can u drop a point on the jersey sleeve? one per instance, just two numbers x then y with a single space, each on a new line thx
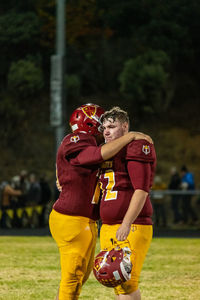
81 149
141 150
91 155
140 175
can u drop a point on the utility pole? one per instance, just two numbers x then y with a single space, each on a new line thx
57 84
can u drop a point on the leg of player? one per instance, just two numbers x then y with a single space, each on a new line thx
76 238
139 240
133 296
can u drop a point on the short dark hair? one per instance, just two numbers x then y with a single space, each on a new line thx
116 113
184 168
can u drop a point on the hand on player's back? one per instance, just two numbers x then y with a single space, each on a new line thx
140 136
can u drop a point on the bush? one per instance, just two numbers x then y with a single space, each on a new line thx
145 81
25 78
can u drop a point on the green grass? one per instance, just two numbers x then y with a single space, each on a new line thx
29 269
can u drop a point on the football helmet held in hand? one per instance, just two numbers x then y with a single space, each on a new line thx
86 118
113 267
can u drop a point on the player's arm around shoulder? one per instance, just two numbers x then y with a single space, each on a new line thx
112 148
81 149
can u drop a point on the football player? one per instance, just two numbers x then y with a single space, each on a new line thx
125 207
72 219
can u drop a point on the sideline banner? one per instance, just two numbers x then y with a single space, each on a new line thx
19 212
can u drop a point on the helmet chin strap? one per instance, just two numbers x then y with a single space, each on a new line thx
117 244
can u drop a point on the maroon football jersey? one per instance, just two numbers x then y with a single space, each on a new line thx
77 162
132 168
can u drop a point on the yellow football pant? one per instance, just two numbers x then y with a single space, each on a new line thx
76 239
138 241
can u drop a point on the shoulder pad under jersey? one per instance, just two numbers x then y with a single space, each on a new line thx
141 150
76 142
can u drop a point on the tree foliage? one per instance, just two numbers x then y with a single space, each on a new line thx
144 81
84 23
105 41
25 79
19 36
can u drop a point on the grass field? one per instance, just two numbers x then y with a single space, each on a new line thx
29 269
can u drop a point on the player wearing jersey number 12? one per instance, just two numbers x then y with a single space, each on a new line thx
125 207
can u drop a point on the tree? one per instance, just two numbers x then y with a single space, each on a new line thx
84 23
19 36
25 79
145 81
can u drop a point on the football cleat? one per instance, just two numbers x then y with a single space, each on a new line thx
113 267
86 118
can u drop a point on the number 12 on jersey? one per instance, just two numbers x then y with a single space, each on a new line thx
110 194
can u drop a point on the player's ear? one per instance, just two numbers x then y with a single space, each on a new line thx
125 127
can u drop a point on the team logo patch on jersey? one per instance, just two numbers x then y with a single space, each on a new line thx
89 111
74 139
146 149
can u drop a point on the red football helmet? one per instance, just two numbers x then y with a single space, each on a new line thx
86 118
113 267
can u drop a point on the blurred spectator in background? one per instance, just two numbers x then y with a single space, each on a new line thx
45 200
7 195
175 184
33 200
187 184
34 192
24 186
15 184
45 190
16 200
24 181
158 200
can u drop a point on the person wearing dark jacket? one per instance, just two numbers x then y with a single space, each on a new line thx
175 184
